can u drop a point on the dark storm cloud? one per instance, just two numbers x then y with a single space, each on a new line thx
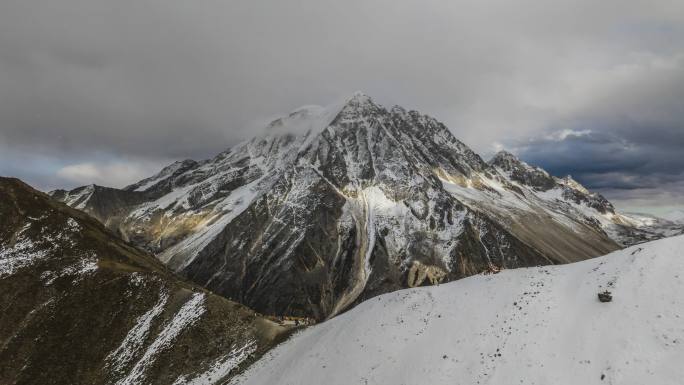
623 164
604 161
110 90
629 141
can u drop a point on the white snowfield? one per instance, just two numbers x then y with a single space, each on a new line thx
527 326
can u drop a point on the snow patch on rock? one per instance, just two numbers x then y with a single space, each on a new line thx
84 266
221 368
118 359
190 312
21 254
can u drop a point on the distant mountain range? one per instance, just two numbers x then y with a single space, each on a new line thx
338 204
676 216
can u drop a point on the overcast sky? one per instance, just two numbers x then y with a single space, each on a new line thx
107 92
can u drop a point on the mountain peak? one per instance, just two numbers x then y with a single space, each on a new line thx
362 174
506 160
359 95
522 172
570 182
358 100
503 154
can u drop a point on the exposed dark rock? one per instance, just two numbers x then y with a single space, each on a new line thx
605 296
522 172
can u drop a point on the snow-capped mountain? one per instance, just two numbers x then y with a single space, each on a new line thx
676 216
637 228
541 325
363 200
79 306
569 196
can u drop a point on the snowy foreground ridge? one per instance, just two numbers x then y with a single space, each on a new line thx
526 326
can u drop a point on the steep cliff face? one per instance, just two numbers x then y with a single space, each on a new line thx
79 306
361 201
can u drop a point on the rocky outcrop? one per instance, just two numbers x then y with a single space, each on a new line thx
419 274
522 172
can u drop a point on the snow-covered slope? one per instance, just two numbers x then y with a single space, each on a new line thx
541 325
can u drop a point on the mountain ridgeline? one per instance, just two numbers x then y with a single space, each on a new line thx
364 200
80 306
539 325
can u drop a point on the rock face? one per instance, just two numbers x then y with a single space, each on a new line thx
79 306
341 203
522 173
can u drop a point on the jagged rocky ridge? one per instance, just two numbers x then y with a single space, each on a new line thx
570 196
361 201
79 306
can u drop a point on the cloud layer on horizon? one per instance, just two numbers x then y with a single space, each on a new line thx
97 91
